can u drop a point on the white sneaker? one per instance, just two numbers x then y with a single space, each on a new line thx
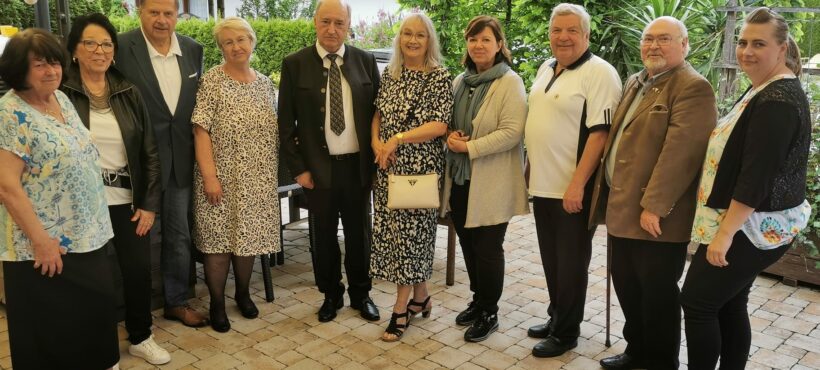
150 351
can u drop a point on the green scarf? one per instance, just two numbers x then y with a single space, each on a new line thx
467 100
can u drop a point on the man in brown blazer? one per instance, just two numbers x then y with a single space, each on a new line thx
645 191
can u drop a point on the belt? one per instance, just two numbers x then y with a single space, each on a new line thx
344 157
116 178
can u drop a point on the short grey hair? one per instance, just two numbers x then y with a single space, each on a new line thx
432 57
235 24
344 4
572 9
684 33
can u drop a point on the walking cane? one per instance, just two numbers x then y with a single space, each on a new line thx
608 286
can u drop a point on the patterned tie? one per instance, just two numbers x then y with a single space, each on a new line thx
337 112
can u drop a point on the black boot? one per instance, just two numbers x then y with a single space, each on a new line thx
468 316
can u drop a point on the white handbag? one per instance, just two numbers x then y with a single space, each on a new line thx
412 191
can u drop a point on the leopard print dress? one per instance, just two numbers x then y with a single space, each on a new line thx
404 240
241 120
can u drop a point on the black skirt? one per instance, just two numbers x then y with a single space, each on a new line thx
64 322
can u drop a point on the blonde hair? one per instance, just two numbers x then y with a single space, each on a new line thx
235 24
432 56
765 15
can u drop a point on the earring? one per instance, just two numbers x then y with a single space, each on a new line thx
74 60
113 62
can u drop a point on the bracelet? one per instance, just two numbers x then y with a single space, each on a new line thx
400 137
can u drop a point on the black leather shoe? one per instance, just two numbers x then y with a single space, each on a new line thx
468 316
540 330
621 362
367 309
328 310
247 307
483 326
552 347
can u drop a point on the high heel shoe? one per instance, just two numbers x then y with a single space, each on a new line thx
219 319
425 311
396 329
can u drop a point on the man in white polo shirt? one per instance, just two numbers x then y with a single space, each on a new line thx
570 108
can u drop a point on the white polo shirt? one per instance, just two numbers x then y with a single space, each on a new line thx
563 110
167 71
347 141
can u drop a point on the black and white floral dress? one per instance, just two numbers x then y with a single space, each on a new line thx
404 239
242 123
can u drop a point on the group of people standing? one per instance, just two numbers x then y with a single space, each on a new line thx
649 160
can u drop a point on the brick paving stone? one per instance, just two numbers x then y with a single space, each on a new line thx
404 354
531 362
813 319
795 325
781 309
361 352
217 362
773 359
766 341
811 359
449 357
792 351
275 346
810 344
493 360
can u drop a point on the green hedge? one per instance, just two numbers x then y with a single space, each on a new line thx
275 39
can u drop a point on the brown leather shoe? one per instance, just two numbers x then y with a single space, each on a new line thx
187 315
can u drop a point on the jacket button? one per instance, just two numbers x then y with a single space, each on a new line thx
322 109
324 146
324 73
323 90
321 128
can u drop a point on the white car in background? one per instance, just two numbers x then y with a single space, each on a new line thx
382 57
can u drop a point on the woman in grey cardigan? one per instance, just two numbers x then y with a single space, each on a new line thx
484 178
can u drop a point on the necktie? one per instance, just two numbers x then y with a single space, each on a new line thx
337 112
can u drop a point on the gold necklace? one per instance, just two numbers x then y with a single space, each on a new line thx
98 101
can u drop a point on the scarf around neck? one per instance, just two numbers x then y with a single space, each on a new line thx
467 100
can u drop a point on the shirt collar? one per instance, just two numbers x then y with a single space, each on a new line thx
583 59
323 53
174 50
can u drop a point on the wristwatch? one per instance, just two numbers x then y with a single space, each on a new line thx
400 136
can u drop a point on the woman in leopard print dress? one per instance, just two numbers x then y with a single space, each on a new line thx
413 103
236 206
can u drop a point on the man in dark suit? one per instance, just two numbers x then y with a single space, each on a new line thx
325 111
646 188
166 68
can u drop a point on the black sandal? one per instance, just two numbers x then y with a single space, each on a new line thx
396 329
424 311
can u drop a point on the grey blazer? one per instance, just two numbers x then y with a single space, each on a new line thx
173 130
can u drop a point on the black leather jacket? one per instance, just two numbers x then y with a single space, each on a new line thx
137 133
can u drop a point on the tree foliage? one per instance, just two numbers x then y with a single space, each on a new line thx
376 35
276 9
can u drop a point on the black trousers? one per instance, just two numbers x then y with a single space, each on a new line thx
349 200
714 304
134 257
483 251
63 322
565 242
645 275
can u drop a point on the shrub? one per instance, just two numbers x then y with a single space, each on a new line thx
275 39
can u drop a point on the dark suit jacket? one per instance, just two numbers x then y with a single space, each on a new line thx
302 116
173 130
659 156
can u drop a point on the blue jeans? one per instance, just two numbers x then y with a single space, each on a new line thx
175 258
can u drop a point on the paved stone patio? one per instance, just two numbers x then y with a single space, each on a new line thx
287 334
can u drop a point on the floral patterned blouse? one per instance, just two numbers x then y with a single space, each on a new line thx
766 230
61 178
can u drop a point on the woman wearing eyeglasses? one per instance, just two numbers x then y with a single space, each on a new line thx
236 138
113 110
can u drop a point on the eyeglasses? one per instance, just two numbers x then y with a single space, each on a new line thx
91 45
661 40
241 40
